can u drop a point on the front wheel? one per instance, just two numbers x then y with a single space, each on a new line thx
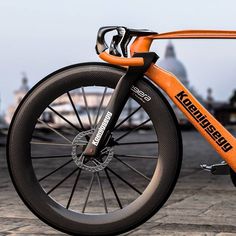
130 179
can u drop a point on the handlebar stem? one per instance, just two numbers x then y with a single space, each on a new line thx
141 44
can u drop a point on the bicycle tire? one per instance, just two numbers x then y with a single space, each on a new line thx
24 175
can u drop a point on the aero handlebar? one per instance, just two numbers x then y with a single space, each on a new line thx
119 45
143 42
122 61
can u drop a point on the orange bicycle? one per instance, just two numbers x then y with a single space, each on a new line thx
95 148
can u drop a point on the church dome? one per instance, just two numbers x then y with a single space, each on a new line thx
172 64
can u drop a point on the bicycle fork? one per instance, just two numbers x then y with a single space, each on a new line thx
102 132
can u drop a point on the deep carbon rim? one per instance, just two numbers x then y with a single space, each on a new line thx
15 164
100 169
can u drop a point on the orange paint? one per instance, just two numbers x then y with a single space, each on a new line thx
172 86
196 34
122 61
221 140
141 44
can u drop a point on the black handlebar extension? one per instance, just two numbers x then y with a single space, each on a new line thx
101 45
123 37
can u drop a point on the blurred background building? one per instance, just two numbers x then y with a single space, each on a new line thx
3 123
18 96
176 67
225 112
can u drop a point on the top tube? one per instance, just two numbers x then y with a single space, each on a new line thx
143 44
197 34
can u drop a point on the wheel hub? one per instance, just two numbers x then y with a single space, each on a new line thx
92 164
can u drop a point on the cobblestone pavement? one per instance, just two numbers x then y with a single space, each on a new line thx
201 204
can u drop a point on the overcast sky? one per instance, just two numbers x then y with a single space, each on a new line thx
38 37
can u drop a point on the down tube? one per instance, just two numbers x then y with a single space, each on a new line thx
222 141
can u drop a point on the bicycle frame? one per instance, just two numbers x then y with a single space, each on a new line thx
220 139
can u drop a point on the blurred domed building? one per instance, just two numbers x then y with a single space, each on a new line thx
176 67
172 64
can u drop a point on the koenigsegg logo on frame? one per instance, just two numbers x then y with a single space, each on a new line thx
182 97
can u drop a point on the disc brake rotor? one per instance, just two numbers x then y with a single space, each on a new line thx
92 164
